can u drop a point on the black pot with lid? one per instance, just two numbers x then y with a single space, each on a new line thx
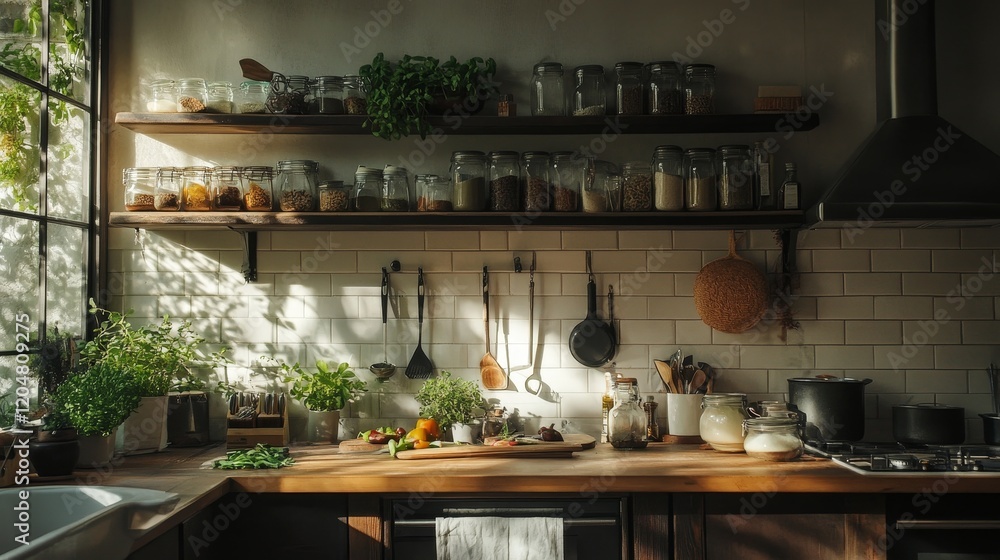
833 407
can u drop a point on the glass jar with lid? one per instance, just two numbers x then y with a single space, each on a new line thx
395 189
334 196
567 177
288 95
736 177
196 191
601 187
721 423
504 175
433 193
367 196
227 188
192 95
666 96
668 178
296 185
355 95
168 190
162 97
699 89
220 97
253 97
140 188
772 438
548 97
535 182
627 421
637 187
468 173
589 95
257 188
327 96
628 88
700 180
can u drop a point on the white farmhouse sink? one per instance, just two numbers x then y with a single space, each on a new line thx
65 521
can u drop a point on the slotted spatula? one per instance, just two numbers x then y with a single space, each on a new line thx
420 366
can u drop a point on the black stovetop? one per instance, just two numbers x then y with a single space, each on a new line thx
892 457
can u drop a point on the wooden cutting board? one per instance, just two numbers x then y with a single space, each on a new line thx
545 449
358 446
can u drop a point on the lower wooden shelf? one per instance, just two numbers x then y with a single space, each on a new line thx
394 221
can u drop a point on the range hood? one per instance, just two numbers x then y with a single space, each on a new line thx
916 169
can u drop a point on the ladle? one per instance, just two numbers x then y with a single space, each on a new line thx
384 370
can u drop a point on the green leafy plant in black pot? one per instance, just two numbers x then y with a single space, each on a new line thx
402 94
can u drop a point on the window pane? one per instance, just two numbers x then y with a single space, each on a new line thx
66 270
69 161
20 36
18 277
19 136
69 50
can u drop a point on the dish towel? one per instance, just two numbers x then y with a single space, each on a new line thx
499 538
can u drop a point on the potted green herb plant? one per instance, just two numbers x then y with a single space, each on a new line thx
96 402
402 94
54 450
324 392
454 402
157 355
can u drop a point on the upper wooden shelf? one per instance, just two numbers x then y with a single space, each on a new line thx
299 221
206 123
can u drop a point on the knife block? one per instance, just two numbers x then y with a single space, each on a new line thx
269 429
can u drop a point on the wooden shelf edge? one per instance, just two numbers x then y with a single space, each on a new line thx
415 221
210 123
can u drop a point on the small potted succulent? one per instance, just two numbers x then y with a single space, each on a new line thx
324 392
455 403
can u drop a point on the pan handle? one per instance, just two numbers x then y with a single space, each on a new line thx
486 306
420 295
385 296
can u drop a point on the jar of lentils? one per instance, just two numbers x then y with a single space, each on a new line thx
637 187
168 190
504 175
296 185
327 96
628 88
666 96
699 89
367 196
140 188
395 189
566 175
535 181
257 188
355 95
192 95
227 189
334 196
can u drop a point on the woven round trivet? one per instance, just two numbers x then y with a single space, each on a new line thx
730 294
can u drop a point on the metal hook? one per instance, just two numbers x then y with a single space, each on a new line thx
531 270
590 271
517 264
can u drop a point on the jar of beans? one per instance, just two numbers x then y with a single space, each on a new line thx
665 92
736 177
367 195
435 194
668 178
700 194
395 189
288 95
566 176
327 96
589 95
548 97
334 196
168 190
637 187
192 95
196 191
227 189
628 88
468 173
253 96
535 181
355 95
699 89
296 185
504 175
257 191
140 188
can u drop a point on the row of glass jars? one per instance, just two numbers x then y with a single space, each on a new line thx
324 95
768 431
657 88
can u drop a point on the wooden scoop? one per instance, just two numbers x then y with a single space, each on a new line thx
493 376
253 70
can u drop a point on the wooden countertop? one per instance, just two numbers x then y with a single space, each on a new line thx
659 468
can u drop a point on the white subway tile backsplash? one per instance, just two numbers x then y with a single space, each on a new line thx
933 284
974 404
452 241
912 355
936 381
966 356
684 284
329 261
816 332
681 261
981 332
903 307
961 260
981 238
871 238
872 284
645 240
901 260
303 285
760 239
590 240
671 308
693 332
841 260
494 241
775 357
630 262
929 238
958 307
873 332
853 307
821 284
279 261
702 240
845 357
431 261
819 239
932 331
647 332
533 240
984 283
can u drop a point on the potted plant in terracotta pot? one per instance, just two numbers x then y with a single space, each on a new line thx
96 402
157 355
455 403
324 392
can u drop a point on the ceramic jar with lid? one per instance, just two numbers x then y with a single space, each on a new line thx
468 173
140 188
721 423
773 438
258 192
296 185
548 97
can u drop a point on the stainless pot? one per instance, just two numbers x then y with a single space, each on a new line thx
834 407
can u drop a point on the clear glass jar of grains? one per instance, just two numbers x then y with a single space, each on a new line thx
296 185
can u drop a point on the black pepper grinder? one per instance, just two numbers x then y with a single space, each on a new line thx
652 428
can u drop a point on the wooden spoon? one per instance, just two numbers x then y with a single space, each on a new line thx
666 374
492 375
253 70
697 381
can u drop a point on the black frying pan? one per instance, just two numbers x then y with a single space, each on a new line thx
592 342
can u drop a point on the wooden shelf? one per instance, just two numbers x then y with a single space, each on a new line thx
394 221
205 123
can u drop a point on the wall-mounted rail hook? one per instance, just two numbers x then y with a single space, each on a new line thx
517 264
395 266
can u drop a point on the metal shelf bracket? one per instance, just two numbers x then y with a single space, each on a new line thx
249 268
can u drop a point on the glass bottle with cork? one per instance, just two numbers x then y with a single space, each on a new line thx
763 169
788 194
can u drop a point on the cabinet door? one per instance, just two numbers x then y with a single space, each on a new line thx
246 525
763 526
